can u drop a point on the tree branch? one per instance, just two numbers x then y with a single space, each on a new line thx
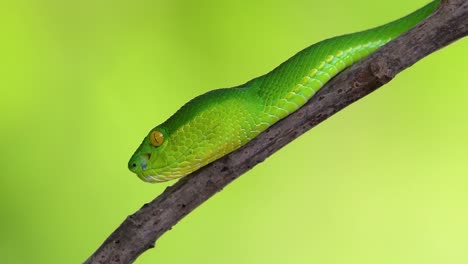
140 231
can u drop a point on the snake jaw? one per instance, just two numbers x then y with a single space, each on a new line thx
150 178
153 178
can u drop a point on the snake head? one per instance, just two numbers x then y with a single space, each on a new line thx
149 156
197 134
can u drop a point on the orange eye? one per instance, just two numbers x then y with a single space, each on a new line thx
156 138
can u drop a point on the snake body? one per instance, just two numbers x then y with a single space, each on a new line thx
220 121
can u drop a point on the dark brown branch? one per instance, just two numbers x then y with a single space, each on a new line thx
140 231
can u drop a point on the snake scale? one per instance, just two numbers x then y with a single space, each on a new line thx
220 121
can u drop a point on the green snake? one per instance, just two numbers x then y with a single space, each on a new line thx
221 121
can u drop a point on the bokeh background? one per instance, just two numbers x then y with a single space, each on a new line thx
384 181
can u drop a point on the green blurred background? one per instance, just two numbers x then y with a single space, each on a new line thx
384 181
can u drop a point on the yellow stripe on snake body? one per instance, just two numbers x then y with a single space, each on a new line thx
220 121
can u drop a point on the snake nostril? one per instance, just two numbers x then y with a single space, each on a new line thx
134 165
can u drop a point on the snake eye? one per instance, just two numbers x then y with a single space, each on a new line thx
156 138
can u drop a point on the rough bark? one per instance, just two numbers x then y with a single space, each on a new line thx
140 230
